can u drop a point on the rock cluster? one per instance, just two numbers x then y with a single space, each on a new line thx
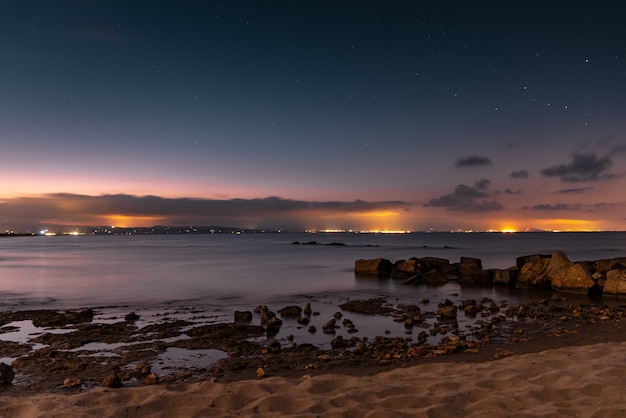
537 271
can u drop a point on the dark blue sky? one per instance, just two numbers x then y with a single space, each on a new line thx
471 115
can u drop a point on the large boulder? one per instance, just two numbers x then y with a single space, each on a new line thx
603 266
429 263
539 272
506 277
406 268
520 261
471 271
534 275
615 283
377 266
576 279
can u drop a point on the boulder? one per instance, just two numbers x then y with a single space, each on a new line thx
405 268
505 277
6 374
471 271
291 311
243 316
603 266
534 275
378 266
112 381
434 276
615 283
520 261
429 263
576 279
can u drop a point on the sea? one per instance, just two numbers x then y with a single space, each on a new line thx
206 278
251 268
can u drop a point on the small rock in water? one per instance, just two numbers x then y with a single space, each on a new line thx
112 381
243 316
131 317
71 382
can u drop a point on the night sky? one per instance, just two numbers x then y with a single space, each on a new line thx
366 115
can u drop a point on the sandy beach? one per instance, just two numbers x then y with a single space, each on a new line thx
581 381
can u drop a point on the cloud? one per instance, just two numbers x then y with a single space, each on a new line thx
509 191
467 198
473 161
519 174
620 149
558 206
77 209
584 167
575 190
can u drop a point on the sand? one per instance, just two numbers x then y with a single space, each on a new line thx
581 381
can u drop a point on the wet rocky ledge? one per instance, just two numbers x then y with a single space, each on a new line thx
254 344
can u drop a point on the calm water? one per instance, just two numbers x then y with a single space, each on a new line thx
249 269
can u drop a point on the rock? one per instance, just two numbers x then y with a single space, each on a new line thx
303 320
471 271
265 313
112 381
447 312
615 283
604 266
534 275
376 266
243 316
520 261
506 277
312 329
576 279
307 309
143 368
71 382
6 374
405 268
290 311
152 379
260 373
434 276
131 317
439 264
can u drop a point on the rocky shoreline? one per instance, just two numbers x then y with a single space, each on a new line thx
537 272
61 361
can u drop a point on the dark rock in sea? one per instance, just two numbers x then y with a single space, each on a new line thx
534 275
303 320
377 266
112 381
6 374
406 268
265 313
374 306
471 272
446 312
243 316
615 283
520 261
312 329
290 311
307 309
434 276
575 279
604 266
131 317
47 318
506 277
